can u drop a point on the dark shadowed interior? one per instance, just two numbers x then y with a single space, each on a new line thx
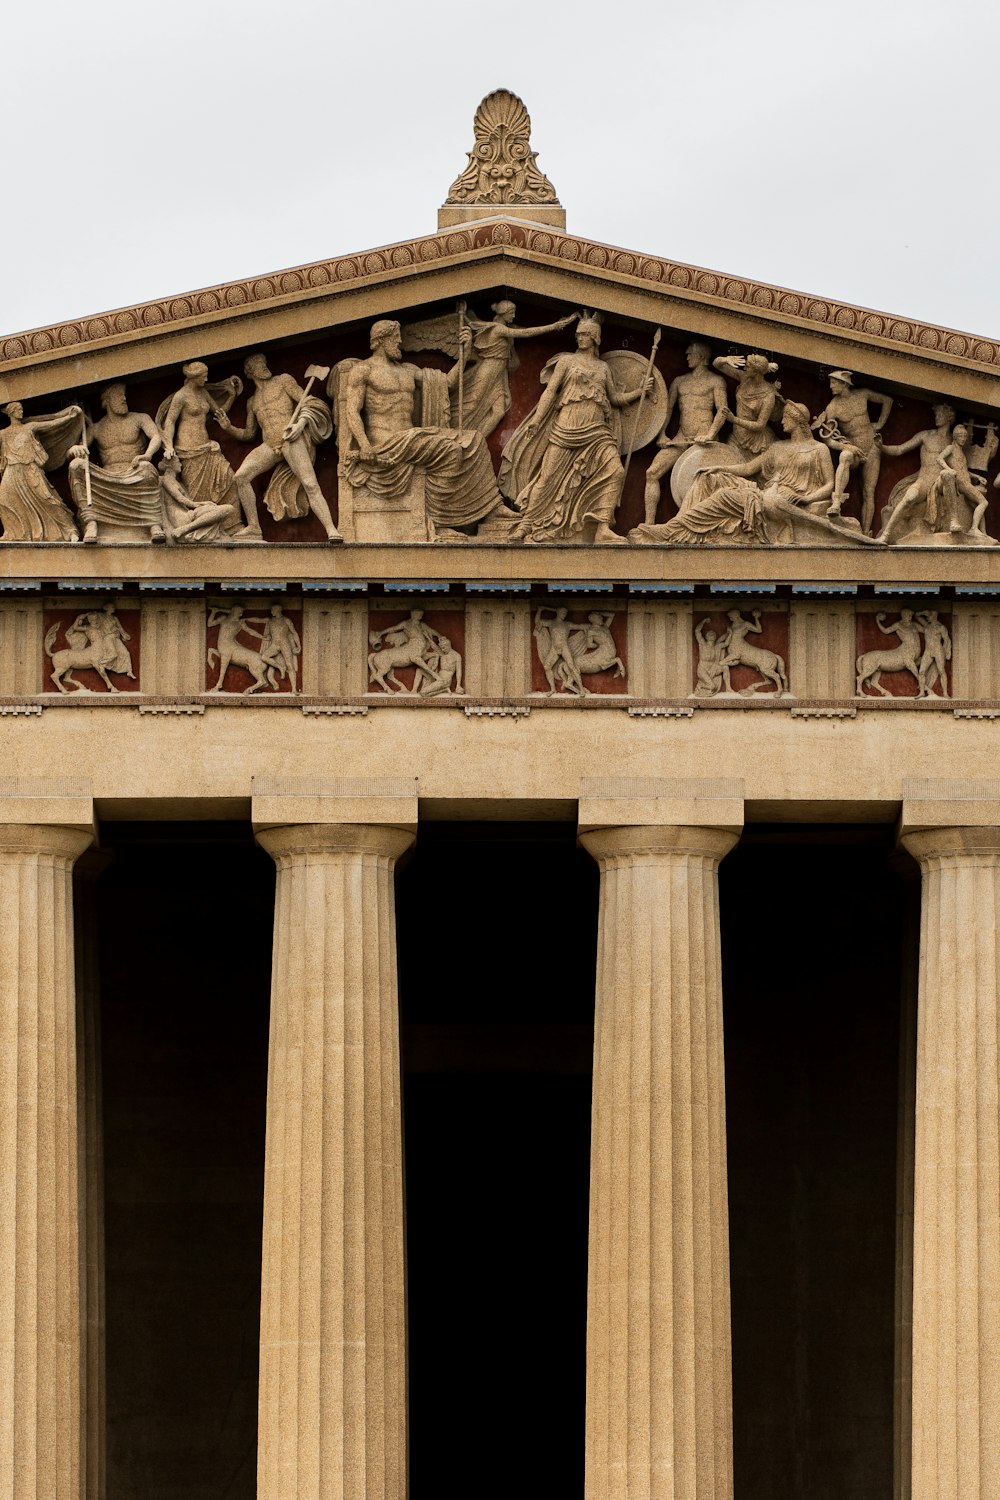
812 944
497 940
186 917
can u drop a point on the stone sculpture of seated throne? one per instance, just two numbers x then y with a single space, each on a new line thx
405 474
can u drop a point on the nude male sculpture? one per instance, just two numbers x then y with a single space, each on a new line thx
270 411
920 492
701 401
384 443
845 425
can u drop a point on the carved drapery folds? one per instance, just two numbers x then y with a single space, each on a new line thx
753 447
648 441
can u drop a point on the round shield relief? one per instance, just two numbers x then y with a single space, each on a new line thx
629 371
700 456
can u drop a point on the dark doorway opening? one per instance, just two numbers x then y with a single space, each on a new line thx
185 914
814 925
497 949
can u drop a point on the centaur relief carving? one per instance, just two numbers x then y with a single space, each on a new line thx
612 650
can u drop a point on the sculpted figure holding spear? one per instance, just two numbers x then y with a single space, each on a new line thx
562 468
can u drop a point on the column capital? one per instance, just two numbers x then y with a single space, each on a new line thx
611 843
377 801
46 815
949 816
942 843
663 813
292 839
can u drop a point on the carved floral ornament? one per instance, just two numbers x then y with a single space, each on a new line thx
568 430
502 165
501 429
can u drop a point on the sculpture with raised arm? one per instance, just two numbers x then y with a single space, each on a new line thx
756 398
562 468
394 436
183 419
290 425
30 509
492 356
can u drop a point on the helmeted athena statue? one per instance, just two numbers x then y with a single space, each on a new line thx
545 565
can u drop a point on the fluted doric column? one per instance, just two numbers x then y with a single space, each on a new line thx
659 1363
40 1326
956 1210
90 1153
332 1409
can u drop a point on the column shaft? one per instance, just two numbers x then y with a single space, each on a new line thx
40 1343
659 1367
90 1151
956 1248
332 1410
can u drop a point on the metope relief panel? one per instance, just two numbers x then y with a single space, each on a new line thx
740 651
417 651
904 652
253 648
92 648
580 650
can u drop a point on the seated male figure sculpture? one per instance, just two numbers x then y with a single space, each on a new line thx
124 489
384 449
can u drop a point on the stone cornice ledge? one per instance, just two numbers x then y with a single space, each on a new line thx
493 238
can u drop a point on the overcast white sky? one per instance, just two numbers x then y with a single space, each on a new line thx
847 150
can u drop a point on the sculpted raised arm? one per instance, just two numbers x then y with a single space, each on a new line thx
533 333
732 365
242 434
56 421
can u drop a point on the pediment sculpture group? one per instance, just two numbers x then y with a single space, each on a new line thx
744 465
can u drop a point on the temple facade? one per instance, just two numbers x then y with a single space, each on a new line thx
500 853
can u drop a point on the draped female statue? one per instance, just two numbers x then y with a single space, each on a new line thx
773 497
30 509
562 468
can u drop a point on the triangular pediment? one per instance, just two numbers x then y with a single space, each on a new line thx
500 380
485 257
